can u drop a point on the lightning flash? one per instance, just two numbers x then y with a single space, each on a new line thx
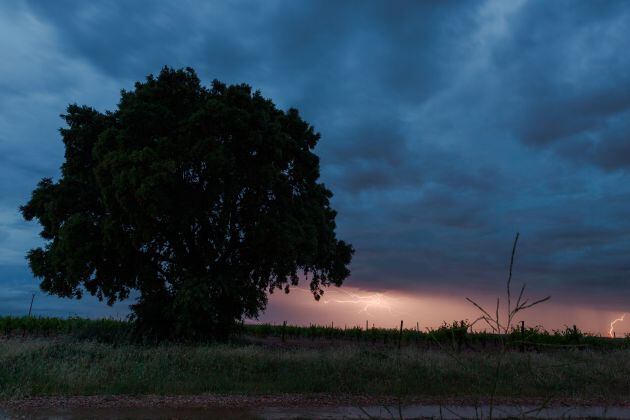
366 302
612 325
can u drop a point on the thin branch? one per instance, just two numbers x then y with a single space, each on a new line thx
520 295
366 413
534 303
479 307
487 321
497 316
389 411
521 304
518 303
509 282
452 412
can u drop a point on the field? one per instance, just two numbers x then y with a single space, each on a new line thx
455 336
48 357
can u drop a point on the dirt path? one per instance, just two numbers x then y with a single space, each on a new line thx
293 406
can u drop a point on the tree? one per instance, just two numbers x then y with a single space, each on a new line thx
197 200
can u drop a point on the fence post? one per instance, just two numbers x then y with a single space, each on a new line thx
522 336
284 327
400 335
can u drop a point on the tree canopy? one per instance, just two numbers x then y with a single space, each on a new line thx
197 200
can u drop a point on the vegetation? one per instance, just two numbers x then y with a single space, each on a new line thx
101 330
201 199
453 337
457 336
78 357
38 367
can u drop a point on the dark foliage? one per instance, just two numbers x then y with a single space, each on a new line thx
200 199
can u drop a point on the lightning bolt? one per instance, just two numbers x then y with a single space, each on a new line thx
612 325
365 302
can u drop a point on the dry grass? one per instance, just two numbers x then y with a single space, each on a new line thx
37 367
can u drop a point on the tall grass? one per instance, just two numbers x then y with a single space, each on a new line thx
63 366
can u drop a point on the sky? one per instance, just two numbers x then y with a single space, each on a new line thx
446 128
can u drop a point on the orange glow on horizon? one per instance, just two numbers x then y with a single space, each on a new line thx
351 306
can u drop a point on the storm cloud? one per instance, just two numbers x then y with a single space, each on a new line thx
446 126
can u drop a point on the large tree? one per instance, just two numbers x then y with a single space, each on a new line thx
198 200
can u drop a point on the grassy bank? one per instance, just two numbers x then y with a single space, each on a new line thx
63 366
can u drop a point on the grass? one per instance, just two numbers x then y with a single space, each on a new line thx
66 366
456 335
64 357
102 330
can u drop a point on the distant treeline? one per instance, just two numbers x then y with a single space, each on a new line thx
456 336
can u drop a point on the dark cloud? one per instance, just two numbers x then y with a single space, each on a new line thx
607 148
564 73
446 126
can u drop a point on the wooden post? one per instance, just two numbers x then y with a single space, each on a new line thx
400 335
366 325
522 336
284 327
31 307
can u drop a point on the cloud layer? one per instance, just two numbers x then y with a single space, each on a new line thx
446 127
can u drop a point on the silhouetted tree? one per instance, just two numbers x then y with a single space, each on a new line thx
200 199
